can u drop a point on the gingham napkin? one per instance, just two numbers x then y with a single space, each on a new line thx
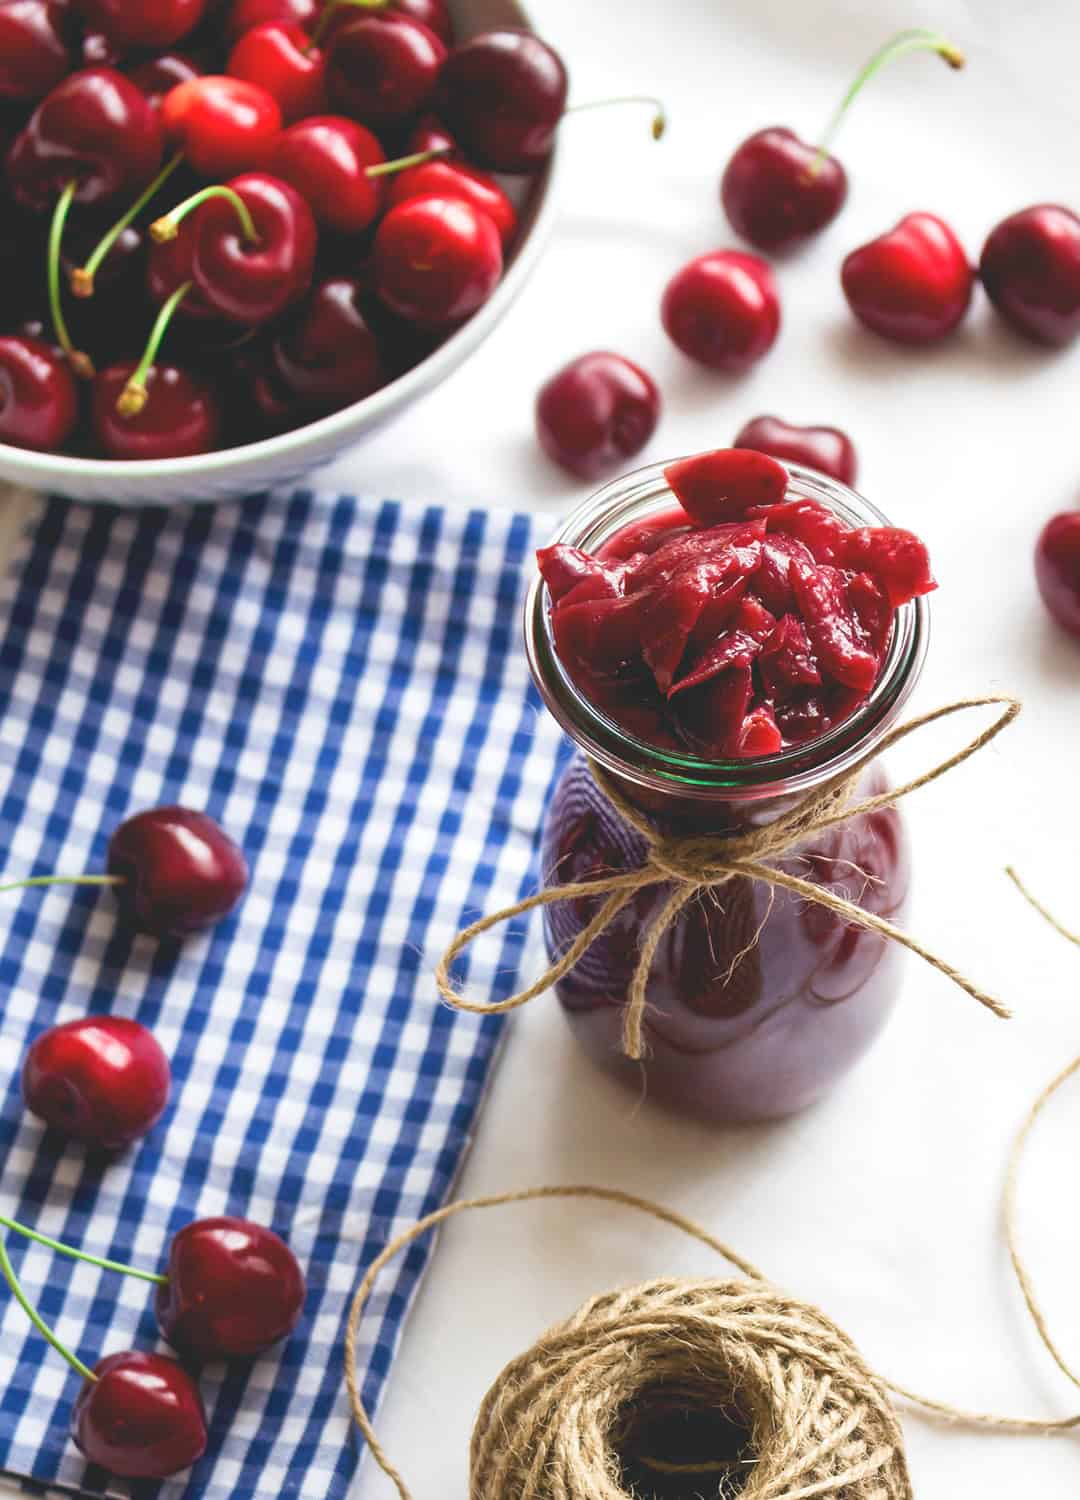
342 685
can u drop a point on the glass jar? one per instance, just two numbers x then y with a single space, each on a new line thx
758 1001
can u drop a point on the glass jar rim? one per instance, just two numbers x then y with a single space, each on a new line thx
645 492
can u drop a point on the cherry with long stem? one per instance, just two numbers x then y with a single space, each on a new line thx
8 1272
37 880
80 363
166 228
82 279
134 396
69 1250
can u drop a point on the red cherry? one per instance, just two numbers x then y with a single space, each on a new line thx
723 310
102 1080
436 260
1057 569
39 405
159 75
326 159
826 449
142 1418
233 1290
430 134
168 268
138 23
723 485
433 14
182 873
246 14
596 412
180 417
502 95
913 284
382 69
328 355
777 193
34 55
1030 268
279 57
455 180
222 125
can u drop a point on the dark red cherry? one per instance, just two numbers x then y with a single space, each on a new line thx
502 95
455 180
180 418
97 129
1030 267
99 51
101 1080
245 14
598 411
34 54
912 285
182 872
222 125
1057 569
434 14
168 268
326 158
39 405
233 1290
776 191
144 23
436 260
279 56
826 449
723 310
142 1418
159 75
382 69
328 356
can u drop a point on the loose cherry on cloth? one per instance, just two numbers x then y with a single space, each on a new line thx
826 449
1030 267
141 1417
502 95
280 57
383 69
1057 569
39 404
436 260
595 412
143 24
34 53
221 125
723 310
912 285
180 872
101 1080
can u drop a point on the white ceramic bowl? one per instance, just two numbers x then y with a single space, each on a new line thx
281 460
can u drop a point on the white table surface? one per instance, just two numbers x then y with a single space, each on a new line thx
882 1204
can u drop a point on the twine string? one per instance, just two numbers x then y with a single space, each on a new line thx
692 865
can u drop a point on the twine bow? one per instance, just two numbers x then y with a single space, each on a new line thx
692 865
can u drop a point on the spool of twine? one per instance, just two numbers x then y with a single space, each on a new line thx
691 866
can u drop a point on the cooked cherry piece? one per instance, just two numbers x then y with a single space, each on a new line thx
222 125
245 281
723 310
279 57
596 412
101 1080
826 449
328 355
1030 267
436 260
182 872
181 417
383 69
447 179
34 55
778 192
233 1290
243 15
142 1418
503 94
143 23
39 405
724 485
326 158
1057 569
912 285
159 75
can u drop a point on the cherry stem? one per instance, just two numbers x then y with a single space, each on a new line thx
917 40
166 228
659 124
417 159
134 396
81 363
331 10
69 1250
22 885
82 279
8 1272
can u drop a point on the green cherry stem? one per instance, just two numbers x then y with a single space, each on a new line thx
82 279
919 39
417 159
659 124
134 396
81 363
166 228
35 880
8 1272
331 10
93 1260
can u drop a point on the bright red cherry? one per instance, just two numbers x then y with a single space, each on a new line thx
327 356
159 75
1030 267
913 284
723 310
34 54
326 158
455 180
826 449
144 23
382 69
502 95
598 411
279 56
245 14
777 191
436 260
142 1418
222 125
39 405
233 1290
102 1080
1057 569
179 418
181 872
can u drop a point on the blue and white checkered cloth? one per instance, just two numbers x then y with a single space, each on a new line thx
342 686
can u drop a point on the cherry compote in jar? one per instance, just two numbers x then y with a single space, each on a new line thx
758 1000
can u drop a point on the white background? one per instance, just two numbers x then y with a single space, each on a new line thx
882 1204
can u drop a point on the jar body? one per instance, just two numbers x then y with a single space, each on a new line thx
758 1000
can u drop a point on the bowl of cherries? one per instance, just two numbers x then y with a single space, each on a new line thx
239 234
